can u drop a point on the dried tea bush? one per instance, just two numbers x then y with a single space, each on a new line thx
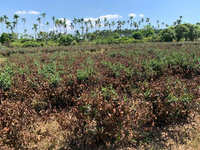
14 118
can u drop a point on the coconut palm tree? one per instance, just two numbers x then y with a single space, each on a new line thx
99 23
39 21
123 23
35 27
91 25
105 22
8 24
79 22
75 22
56 25
5 21
163 24
12 26
5 18
175 23
109 26
131 21
82 30
16 21
158 25
128 21
96 23
65 25
135 25
24 22
113 24
86 27
43 16
142 20
25 31
2 21
148 21
53 18
47 24
139 23
72 26
119 25
178 21
180 18
59 24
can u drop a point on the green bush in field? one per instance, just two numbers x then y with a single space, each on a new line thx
109 93
84 74
168 35
50 73
74 43
181 31
6 78
194 32
117 68
137 35
6 38
148 31
32 44
66 40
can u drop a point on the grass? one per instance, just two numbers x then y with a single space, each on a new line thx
2 60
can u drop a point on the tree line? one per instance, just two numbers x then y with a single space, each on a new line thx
101 31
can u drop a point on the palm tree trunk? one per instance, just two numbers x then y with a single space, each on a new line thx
17 30
53 27
43 25
2 27
24 28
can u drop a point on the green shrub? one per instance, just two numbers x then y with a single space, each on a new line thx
32 44
181 31
109 93
115 68
5 38
137 35
52 43
169 101
84 74
168 35
74 43
23 40
50 73
66 40
6 78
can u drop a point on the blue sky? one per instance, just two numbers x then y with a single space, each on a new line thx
164 10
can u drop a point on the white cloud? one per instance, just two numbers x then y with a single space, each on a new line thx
141 15
132 15
27 12
108 17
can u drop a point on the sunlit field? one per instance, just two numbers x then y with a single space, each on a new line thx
127 96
